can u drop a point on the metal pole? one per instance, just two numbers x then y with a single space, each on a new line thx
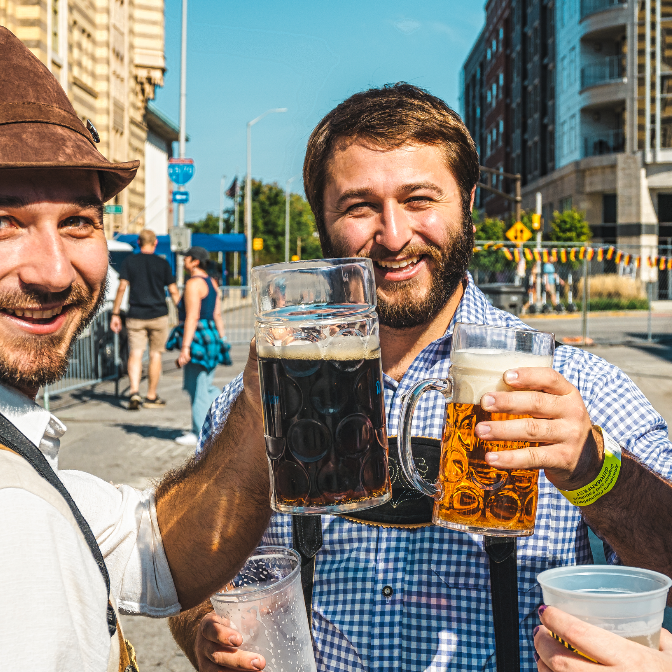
287 198
45 397
236 255
518 198
221 216
647 81
248 188
538 209
183 131
584 301
117 365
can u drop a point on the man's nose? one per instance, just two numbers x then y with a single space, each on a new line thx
395 228
45 264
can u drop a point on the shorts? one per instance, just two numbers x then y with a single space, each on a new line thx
154 330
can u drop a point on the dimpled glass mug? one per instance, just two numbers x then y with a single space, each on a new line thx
470 495
321 385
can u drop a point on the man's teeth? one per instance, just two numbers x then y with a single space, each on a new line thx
34 314
399 264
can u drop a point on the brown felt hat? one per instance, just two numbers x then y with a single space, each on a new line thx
39 128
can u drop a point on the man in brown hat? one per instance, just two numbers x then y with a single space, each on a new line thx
74 548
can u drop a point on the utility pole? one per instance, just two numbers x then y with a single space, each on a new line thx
236 255
183 131
221 216
287 198
248 188
538 212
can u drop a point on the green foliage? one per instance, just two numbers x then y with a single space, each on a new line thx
488 228
569 226
615 303
268 222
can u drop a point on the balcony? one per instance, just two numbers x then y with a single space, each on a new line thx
607 142
589 7
609 70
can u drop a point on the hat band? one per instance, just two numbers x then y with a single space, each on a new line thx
39 113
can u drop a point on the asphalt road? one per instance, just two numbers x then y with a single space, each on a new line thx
121 446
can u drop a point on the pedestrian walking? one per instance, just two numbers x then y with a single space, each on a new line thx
148 275
201 331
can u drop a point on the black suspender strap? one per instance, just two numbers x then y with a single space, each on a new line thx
307 541
11 437
504 592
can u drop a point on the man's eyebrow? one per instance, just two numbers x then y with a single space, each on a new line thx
419 186
352 194
82 202
12 202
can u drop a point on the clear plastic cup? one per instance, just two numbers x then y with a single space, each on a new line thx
265 604
627 601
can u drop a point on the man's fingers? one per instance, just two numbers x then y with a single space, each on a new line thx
525 402
557 657
541 378
666 641
232 658
604 647
220 633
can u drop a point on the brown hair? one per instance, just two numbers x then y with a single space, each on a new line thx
390 117
146 237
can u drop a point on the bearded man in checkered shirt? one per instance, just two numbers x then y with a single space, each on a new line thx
391 174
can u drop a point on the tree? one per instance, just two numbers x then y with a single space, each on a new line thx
209 224
569 226
489 229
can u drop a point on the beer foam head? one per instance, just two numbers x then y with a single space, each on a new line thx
339 348
478 371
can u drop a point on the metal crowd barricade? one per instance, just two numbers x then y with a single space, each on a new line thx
238 314
95 357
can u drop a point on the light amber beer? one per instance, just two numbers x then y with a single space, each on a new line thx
472 495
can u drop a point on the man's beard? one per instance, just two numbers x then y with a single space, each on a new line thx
449 266
32 360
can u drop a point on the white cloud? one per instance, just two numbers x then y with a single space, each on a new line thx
407 26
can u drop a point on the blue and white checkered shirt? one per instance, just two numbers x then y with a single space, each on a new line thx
439 616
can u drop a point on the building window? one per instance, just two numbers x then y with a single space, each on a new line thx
501 33
609 205
665 208
572 66
501 126
501 79
494 46
487 96
565 204
572 133
563 73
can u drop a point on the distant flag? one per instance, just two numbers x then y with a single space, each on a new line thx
231 191
537 256
572 254
669 264
554 254
661 267
516 255
563 255
507 253
600 254
638 261
610 253
619 256
528 253
544 255
582 252
589 253
626 261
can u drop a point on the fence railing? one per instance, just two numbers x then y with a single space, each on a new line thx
591 6
95 357
609 69
607 142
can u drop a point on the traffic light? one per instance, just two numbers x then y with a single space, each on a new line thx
536 222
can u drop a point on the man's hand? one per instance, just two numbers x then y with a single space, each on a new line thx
609 650
115 324
570 452
217 649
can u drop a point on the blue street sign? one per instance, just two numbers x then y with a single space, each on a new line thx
180 171
180 197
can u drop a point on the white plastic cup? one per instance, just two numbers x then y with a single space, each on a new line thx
627 601
265 604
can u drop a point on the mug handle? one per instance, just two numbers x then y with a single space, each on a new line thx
408 403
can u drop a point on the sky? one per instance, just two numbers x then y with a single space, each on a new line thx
244 58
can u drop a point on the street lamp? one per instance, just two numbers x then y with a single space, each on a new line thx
287 195
221 216
248 187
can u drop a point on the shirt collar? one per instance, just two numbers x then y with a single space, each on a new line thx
29 418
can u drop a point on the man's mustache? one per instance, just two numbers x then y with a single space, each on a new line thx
75 295
381 253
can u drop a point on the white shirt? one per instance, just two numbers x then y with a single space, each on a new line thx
52 594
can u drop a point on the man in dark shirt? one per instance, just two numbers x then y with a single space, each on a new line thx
148 275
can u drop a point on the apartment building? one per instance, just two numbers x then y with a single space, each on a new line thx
590 112
109 57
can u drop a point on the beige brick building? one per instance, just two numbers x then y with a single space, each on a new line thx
109 56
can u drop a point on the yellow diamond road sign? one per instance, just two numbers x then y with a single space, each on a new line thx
518 233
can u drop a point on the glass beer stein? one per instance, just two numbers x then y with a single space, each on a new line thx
470 495
321 385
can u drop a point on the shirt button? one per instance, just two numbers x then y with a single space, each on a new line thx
387 591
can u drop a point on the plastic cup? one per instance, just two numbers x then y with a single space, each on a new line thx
627 601
265 604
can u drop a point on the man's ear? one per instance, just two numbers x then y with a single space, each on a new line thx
473 196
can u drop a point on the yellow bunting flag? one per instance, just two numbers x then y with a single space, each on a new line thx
619 256
669 264
507 253
582 252
554 254
544 256
516 254
488 245
610 253
589 253
563 255
572 254
661 267
528 253
626 260
600 254
638 262
537 256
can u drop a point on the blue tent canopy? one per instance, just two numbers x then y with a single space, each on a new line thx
212 242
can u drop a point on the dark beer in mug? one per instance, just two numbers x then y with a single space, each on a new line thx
324 421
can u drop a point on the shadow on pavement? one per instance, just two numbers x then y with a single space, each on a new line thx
151 431
662 349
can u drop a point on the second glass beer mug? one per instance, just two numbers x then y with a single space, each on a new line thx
470 495
321 385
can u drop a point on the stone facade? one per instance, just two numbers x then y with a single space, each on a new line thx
109 56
